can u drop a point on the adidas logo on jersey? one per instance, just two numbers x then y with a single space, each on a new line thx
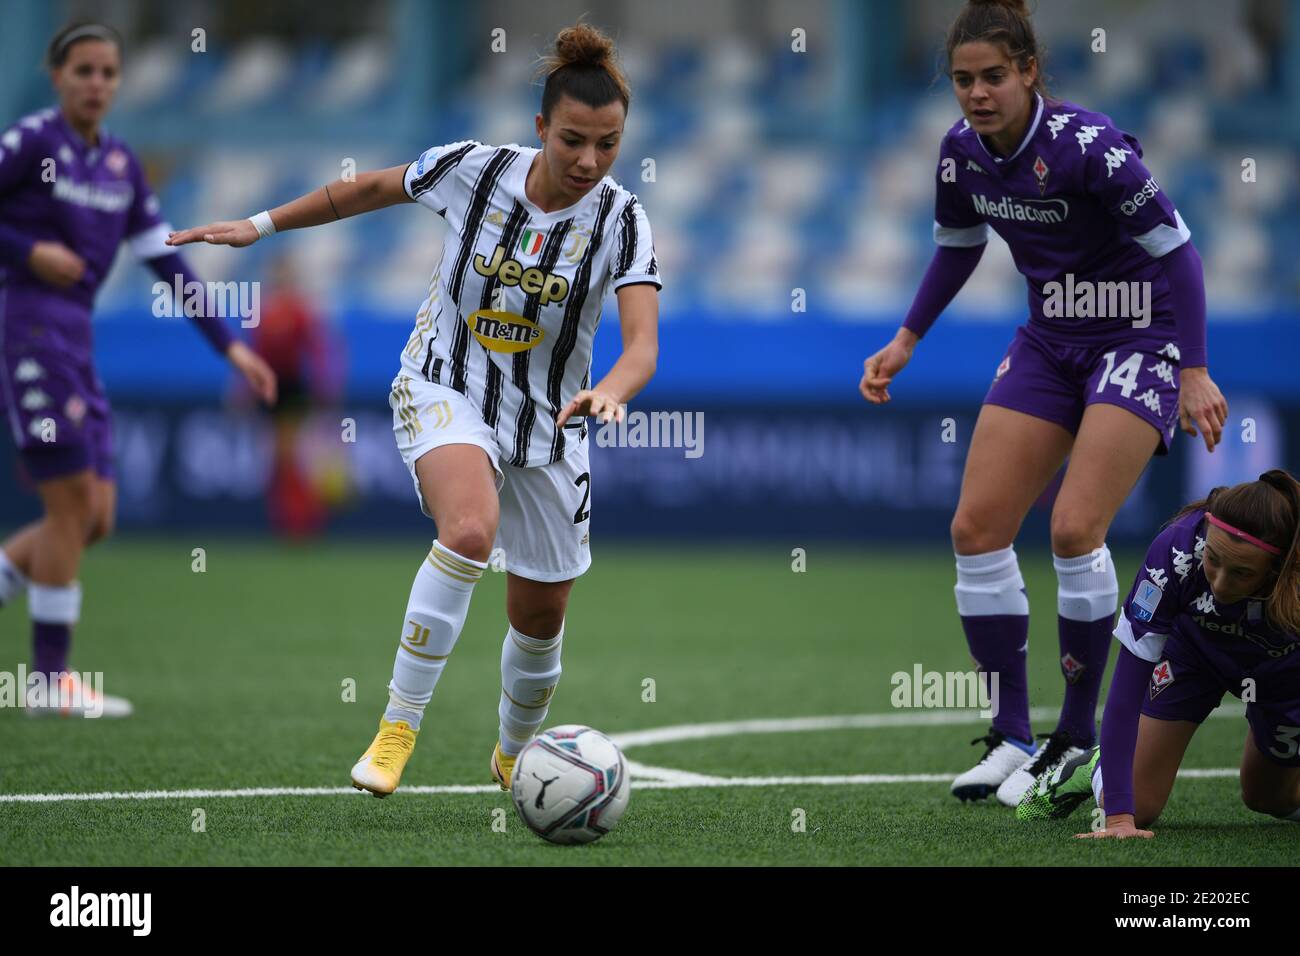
504 331
511 272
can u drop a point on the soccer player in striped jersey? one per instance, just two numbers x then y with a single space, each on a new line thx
490 401
70 194
1112 358
1215 610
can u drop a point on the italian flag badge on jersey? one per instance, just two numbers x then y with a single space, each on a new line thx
530 243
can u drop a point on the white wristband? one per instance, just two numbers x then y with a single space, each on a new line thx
263 224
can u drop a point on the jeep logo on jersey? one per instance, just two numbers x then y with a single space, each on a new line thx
534 281
504 331
1022 210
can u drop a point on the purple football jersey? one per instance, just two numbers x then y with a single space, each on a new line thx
55 186
1076 205
1171 596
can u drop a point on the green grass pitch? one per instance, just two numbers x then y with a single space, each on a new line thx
238 676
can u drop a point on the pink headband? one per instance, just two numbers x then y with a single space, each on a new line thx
1271 549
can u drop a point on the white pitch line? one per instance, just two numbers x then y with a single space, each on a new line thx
691 781
778 725
659 778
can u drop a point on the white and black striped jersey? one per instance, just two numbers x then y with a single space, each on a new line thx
515 301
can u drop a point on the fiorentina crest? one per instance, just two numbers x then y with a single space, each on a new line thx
1161 677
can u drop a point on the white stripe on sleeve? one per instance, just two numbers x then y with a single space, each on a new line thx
1148 647
152 243
1163 239
961 238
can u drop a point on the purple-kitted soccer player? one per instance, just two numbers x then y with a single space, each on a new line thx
1215 610
70 193
1112 358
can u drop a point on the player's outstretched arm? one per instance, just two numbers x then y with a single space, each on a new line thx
338 200
638 316
1119 730
948 272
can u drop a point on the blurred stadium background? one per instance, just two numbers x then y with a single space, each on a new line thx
775 172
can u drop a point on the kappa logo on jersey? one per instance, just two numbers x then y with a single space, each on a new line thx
511 272
1170 351
1163 371
1115 158
1072 669
12 139
1182 563
1041 171
1199 549
1085 135
504 331
1148 191
1205 604
28 370
1162 675
1058 121
65 153
34 399
975 167
1151 400
1048 211
1146 599
1159 576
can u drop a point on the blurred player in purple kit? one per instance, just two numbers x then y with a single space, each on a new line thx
1111 360
1215 610
70 194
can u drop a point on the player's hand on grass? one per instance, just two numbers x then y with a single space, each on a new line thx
879 370
1201 405
55 263
1121 826
238 233
591 402
259 376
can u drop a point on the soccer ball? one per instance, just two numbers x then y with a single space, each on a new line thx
570 784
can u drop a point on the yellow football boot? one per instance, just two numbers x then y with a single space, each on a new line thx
380 767
503 765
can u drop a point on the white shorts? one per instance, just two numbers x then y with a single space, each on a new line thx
544 530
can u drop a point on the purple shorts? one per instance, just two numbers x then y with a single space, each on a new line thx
1057 382
1186 685
57 411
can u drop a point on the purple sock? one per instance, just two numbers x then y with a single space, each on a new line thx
50 643
1084 648
999 643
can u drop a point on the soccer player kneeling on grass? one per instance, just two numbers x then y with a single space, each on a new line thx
498 364
1215 609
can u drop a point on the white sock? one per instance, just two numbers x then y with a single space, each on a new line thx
990 583
1087 589
530 672
49 604
435 615
1096 783
12 581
